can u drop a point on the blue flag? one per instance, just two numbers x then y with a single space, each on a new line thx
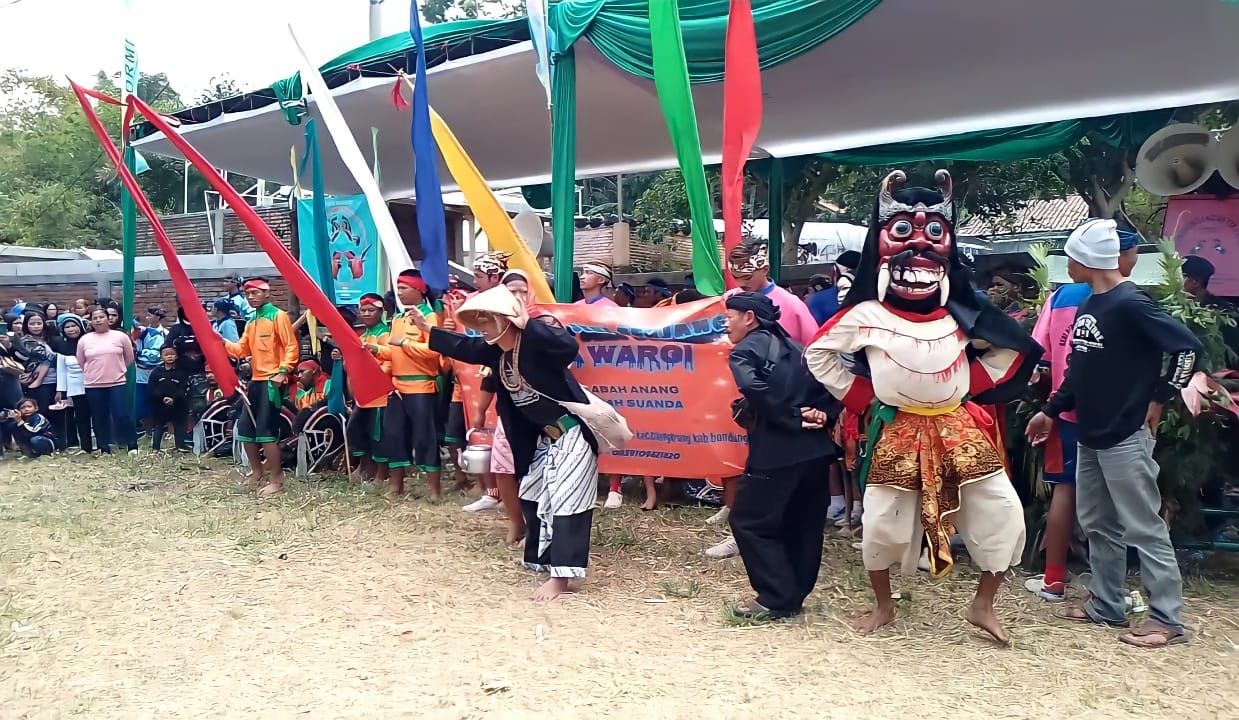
427 192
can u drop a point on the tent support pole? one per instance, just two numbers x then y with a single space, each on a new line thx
775 202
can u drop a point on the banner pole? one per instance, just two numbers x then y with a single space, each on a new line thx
128 208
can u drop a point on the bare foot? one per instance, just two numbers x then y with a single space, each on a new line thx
395 490
515 534
983 616
551 589
270 489
435 497
650 504
875 619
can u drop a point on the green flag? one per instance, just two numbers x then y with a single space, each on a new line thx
676 98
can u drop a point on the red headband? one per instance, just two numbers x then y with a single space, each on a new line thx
413 282
256 285
309 364
368 301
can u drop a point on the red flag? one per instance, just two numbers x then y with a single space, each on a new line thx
214 352
742 108
365 376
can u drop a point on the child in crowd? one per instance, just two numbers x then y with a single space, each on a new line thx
169 400
31 430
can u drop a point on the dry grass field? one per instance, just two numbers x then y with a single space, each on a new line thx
156 588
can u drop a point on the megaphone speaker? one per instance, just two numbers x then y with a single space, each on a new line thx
529 226
1226 155
1176 160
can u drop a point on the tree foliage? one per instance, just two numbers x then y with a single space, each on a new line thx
57 187
439 11
817 190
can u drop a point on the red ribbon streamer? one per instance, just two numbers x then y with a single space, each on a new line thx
214 352
742 110
397 94
365 376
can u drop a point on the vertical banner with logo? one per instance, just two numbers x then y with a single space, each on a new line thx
666 371
1208 228
353 246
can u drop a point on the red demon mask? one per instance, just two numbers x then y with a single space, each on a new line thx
916 239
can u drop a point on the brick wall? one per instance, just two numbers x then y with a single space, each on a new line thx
191 234
62 295
675 253
157 293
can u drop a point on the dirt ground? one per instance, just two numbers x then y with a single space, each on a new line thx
156 588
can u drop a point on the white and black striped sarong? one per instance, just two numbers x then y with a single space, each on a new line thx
557 498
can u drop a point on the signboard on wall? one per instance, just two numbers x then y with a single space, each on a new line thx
1208 228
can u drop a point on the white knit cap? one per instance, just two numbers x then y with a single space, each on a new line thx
1095 244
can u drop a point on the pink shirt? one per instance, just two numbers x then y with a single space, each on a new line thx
104 358
1053 332
600 301
794 315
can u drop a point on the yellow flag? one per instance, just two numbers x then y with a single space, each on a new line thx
500 232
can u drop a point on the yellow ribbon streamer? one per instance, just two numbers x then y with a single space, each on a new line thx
312 325
500 232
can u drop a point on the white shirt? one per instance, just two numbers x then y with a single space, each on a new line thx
69 376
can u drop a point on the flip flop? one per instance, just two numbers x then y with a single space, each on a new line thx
1077 613
1152 634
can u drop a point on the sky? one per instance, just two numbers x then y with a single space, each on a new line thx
190 40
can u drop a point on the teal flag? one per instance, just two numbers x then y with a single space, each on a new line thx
352 246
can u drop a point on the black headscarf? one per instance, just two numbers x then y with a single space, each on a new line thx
762 307
978 318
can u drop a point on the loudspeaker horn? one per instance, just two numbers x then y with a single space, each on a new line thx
1176 160
1226 155
529 226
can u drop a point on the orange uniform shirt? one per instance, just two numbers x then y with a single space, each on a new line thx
270 343
414 366
377 335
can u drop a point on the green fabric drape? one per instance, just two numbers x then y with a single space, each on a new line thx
1018 143
462 37
620 30
563 169
676 98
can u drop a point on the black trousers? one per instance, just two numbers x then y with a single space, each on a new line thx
778 521
176 415
568 555
81 423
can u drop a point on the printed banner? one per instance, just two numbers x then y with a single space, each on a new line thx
665 370
352 245
1207 227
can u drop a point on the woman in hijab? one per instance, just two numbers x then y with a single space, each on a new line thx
70 386
41 367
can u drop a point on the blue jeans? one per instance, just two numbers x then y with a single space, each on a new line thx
38 445
109 413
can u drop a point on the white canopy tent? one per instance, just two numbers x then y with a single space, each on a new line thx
908 70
